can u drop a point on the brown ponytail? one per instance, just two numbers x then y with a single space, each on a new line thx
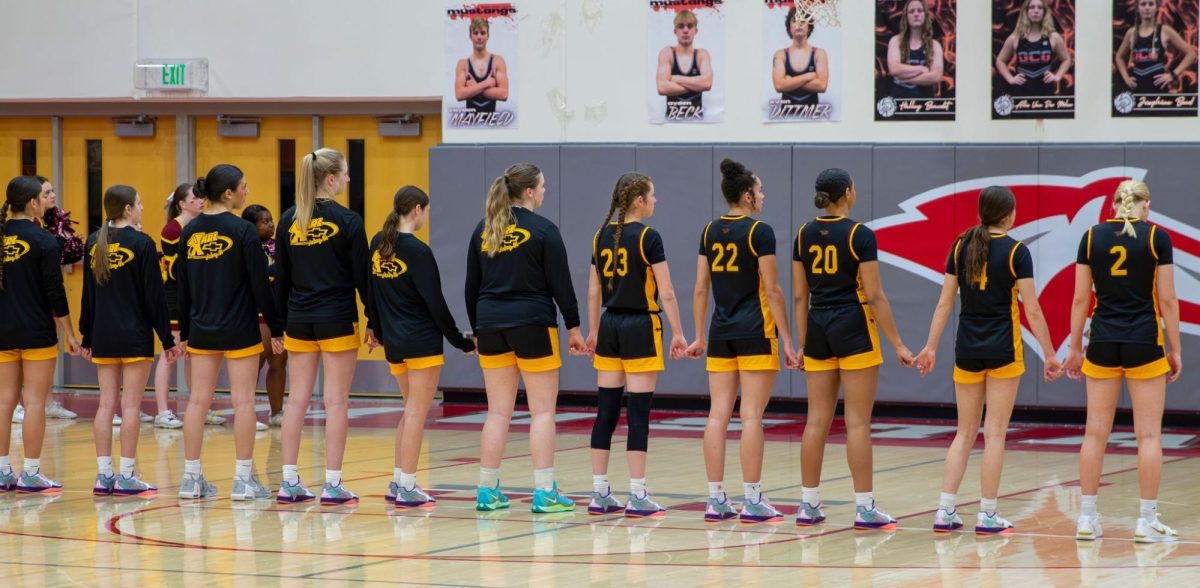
406 199
995 203
629 187
116 199
505 190
21 191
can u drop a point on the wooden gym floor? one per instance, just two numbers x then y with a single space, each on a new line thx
75 539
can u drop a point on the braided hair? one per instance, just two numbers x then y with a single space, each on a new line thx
629 187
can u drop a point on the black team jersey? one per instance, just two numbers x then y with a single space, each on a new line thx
405 302
628 271
315 278
120 317
33 288
989 322
831 248
1125 273
732 245
223 284
169 242
521 284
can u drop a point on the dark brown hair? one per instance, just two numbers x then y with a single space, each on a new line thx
736 180
21 191
629 187
995 203
116 198
406 199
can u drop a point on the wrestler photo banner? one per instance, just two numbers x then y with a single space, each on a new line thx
481 58
685 54
915 59
803 63
1154 57
1033 59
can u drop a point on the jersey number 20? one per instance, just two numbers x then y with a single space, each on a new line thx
825 260
730 263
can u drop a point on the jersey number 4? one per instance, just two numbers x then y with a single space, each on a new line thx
720 251
622 262
825 261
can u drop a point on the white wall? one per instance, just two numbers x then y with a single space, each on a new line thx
392 48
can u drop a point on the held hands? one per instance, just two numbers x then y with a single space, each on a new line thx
172 354
86 353
926 360
1053 369
905 356
575 343
697 349
72 346
277 345
591 345
1175 360
679 347
370 340
793 358
1073 364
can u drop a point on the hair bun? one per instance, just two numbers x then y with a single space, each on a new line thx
201 188
731 168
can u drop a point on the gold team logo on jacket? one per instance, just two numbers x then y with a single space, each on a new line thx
319 231
168 267
513 238
118 256
210 245
14 248
387 269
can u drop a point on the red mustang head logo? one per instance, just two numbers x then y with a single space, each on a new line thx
1053 213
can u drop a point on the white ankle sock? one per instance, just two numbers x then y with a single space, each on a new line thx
32 465
716 490
810 495
291 474
600 484
243 468
191 467
1088 506
637 487
488 477
127 464
988 505
408 481
1149 509
946 501
333 477
753 491
396 475
864 499
5 464
104 465
544 478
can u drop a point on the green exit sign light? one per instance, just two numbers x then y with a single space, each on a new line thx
171 75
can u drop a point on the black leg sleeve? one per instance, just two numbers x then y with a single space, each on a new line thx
608 413
638 414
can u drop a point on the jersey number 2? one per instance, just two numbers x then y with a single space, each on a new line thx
825 260
731 263
1118 266
622 262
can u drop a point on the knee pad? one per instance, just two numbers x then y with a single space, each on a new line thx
608 413
638 415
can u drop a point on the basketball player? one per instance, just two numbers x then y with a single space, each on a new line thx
914 58
1130 265
1145 48
183 205
223 287
276 363
516 273
799 85
122 309
737 258
989 269
33 313
838 300
1036 45
481 79
321 261
684 71
629 274
410 315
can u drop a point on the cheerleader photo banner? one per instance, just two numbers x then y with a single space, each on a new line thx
803 59
1033 59
1154 57
685 53
915 59
481 58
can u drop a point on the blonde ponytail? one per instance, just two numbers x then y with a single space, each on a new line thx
505 191
1129 194
314 168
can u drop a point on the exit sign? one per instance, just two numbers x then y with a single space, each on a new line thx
171 75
